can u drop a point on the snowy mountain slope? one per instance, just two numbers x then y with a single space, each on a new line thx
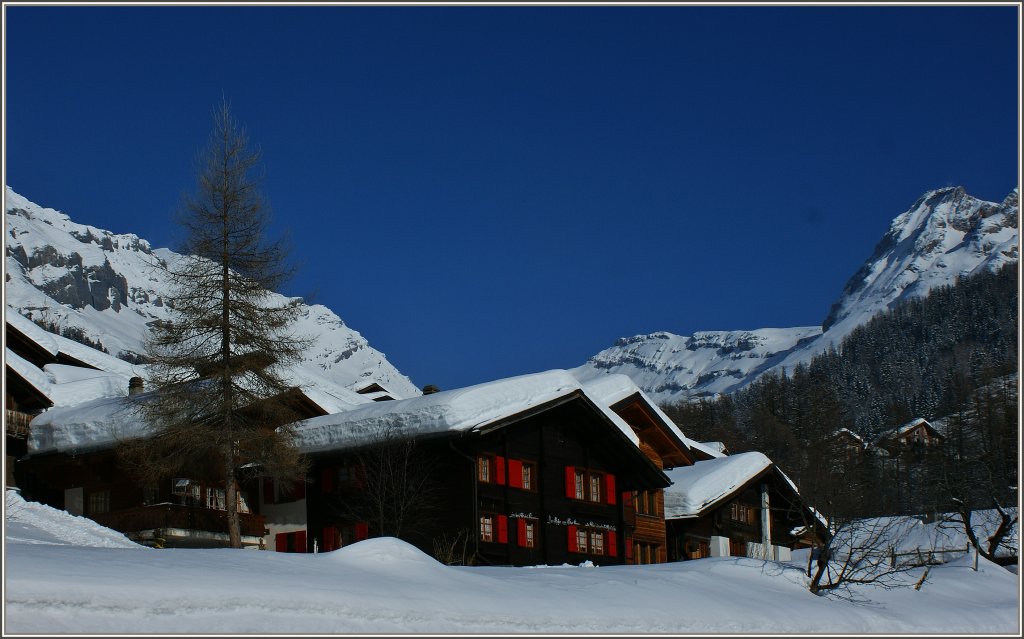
106 286
945 234
668 366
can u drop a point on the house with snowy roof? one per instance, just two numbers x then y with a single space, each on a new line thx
526 470
736 505
73 405
43 370
917 434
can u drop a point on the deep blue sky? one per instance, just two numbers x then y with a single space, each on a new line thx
490 191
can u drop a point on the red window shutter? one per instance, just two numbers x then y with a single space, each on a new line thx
521 532
299 491
570 482
330 535
281 542
362 531
627 498
611 541
572 537
300 541
515 473
609 488
268 491
502 529
327 480
629 547
499 470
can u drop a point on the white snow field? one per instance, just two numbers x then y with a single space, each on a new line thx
67 575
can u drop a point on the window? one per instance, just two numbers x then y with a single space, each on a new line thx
647 502
586 485
645 553
597 542
529 470
215 499
242 501
526 532
99 502
290 542
150 495
490 469
494 528
581 540
742 513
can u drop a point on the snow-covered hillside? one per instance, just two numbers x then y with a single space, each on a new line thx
67 575
945 234
669 366
107 287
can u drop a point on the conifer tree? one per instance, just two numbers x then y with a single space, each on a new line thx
218 405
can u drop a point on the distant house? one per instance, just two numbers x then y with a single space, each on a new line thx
526 470
916 434
738 505
848 445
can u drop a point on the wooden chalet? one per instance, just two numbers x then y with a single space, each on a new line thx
524 471
916 434
740 506
73 464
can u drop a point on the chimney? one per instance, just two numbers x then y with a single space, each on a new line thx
430 389
134 386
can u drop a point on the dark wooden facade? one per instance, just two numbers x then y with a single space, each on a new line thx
645 509
177 512
543 487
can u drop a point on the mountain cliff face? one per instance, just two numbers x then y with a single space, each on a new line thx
105 289
944 235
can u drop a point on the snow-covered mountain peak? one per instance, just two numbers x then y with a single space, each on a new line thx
104 288
945 234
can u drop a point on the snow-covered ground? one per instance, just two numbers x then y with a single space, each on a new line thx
67 575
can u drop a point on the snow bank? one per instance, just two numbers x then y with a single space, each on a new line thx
29 522
696 487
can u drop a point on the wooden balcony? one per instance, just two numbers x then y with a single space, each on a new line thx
17 423
181 525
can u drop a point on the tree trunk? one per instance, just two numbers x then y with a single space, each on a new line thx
231 497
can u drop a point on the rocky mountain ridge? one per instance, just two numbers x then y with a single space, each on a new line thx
105 289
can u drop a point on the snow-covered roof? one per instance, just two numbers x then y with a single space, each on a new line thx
704 448
613 388
464 409
696 487
31 330
847 431
103 422
903 429
92 425
28 371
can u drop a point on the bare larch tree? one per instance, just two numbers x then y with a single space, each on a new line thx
218 405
